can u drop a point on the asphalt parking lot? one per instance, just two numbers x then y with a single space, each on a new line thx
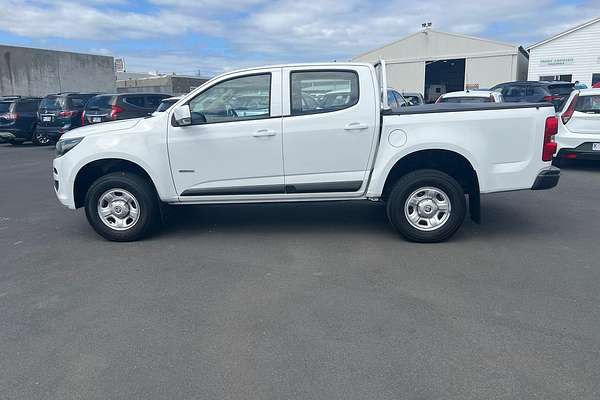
299 301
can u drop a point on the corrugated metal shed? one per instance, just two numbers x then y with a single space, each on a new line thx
487 62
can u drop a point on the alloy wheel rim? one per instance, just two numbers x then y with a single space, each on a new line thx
428 209
118 209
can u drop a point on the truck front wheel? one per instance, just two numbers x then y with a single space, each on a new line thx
121 206
426 206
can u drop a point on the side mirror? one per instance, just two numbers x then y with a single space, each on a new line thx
182 115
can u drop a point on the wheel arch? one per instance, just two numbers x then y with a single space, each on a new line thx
93 170
451 162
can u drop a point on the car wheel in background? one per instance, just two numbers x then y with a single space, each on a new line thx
122 207
39 139
426 206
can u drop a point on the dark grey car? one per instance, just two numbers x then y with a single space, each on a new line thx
112 107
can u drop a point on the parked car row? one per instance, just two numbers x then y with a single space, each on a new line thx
44 120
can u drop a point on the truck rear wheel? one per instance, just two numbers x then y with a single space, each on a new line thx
121 207
426 206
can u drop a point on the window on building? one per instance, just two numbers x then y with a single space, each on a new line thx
561 78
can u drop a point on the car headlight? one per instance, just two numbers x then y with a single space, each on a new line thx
64 145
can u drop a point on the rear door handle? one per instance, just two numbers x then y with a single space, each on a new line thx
264 132
356 126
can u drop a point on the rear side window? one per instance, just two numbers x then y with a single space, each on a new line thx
514 91
536 91
137 101
588 104
331 90
5 107
99 102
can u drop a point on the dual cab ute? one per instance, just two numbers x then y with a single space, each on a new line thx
317 132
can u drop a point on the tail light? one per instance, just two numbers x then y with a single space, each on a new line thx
83 118
67 114
11 116
550 146
566 116
115 111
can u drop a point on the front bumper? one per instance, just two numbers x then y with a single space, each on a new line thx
63 185
547 179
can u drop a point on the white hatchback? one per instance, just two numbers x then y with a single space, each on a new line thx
579 126
471 96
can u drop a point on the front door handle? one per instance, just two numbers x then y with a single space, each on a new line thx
356 126
264 132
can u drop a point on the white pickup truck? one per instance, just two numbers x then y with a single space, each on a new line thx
310 132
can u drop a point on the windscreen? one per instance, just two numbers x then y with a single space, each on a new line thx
5 107
588 104
52 103
165 105
99 102
465 100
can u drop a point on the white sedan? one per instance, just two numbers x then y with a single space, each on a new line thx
471 96
579 126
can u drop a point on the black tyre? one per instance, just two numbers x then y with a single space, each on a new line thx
122 207
40 139
426 206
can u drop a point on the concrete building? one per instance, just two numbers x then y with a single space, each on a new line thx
572 55
36 72
432 63
169 84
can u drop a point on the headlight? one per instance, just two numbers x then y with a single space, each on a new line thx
64 145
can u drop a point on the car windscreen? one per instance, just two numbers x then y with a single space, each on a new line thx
561 89
165 105
588 104
99 102
5 107
465 100
52 103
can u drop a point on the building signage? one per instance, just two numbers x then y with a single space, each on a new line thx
557 61
119 65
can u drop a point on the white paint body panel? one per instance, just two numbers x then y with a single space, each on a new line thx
581 128
503 146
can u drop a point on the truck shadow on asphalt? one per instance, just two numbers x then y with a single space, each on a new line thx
501 218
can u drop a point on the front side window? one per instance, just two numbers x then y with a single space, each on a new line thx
236 99
328 91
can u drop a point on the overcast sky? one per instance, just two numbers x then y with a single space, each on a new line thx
210 36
